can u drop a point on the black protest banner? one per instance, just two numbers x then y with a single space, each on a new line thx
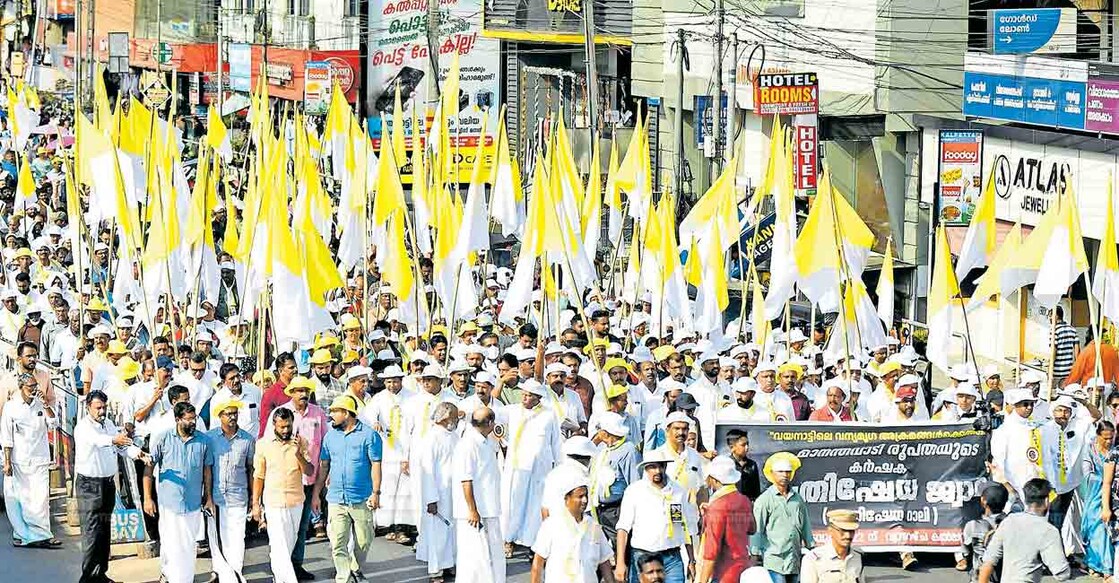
913 486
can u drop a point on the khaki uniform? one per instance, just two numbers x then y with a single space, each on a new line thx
822 565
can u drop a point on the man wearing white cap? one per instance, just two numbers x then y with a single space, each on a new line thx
964 406
1017 446
534 448
11 320
484 383
728 523
613 469
653 435
578 452
384 413
563 402
657 518
1033 380
835 408
1066 440
459 387
418 408
571 547
709 391
741 409
771 404
433 471
685 464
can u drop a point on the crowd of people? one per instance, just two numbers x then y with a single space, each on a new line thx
583 437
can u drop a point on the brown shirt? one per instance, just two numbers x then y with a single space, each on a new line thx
276 462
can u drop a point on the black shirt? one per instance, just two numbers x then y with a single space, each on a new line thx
749 484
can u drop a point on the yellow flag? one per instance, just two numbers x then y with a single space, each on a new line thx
390 192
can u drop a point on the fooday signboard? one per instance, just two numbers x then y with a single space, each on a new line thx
913 486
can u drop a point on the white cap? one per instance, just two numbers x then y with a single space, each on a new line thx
485 376
99 330
1015 396
745 385
578 445
677 417
967 389
534 387
357 372
797 336
725 361
553 348
557 367
1030 376
724 471
1066 402
433 370
391 372
613 424
959 372
990 370
765 366
909 379
458 366
421 356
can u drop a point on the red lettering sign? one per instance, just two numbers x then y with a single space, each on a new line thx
806 148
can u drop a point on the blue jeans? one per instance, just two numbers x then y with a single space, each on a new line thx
780 578
673 565
304 524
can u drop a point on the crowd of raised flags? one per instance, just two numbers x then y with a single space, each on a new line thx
300 259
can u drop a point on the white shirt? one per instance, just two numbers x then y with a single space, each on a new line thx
386 411
475 461
200 390
657 519
573 550
249 419
569 408
772 407
141 396
95 456
709 396
1072 442
1011 446
23 427
686 468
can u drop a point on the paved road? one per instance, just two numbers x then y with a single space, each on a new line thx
391 563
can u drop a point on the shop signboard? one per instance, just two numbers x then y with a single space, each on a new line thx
786 94
960 171
316 87
1032 30
805 151
1102 111
398 56
240 67
1031 90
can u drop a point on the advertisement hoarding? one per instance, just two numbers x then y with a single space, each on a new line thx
316 87
1102 111
786 93
401 57
1032 30
1032 90
805 152
960 171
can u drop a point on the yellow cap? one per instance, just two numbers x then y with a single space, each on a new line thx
321 356
23 252
663 352
595 344
263 378
468 327
791 366
349 322
116 347
888 367
325 341
616 363
345 402
780 461
614 391
350 356
95 303
229 403
300 382
127 368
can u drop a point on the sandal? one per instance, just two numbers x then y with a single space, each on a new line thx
404 539
508 550
392 536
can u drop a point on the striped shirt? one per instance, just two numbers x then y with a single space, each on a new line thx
1065 341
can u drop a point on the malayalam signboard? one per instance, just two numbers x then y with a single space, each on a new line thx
1102 109
1032 90
913 486
316 87
786 94
1032 30
960 171
398 55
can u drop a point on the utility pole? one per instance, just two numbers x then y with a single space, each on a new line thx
681 66
221 62
717 101
433 51
592 69
732 104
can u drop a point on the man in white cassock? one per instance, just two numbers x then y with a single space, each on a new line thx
385 414
475 476
434 466
534 448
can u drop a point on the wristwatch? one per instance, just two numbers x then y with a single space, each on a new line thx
376 492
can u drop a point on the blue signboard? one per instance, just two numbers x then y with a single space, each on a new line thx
1047 102
1031 30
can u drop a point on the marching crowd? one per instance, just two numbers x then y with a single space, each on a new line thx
585 437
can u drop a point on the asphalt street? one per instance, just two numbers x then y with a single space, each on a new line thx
390 563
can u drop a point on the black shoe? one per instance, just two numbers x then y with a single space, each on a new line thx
303 574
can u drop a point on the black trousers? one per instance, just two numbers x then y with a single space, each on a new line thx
1059 508
608 515
96 498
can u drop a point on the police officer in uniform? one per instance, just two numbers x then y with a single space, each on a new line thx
835 561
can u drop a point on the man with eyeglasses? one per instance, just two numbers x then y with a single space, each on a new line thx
234 449
234 388
199 379
149 399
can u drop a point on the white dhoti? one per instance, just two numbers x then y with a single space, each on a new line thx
178 548
439 544
27 498
521 495
227 543
283 528
397 496
481 553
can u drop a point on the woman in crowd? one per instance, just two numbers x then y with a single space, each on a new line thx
1096 533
